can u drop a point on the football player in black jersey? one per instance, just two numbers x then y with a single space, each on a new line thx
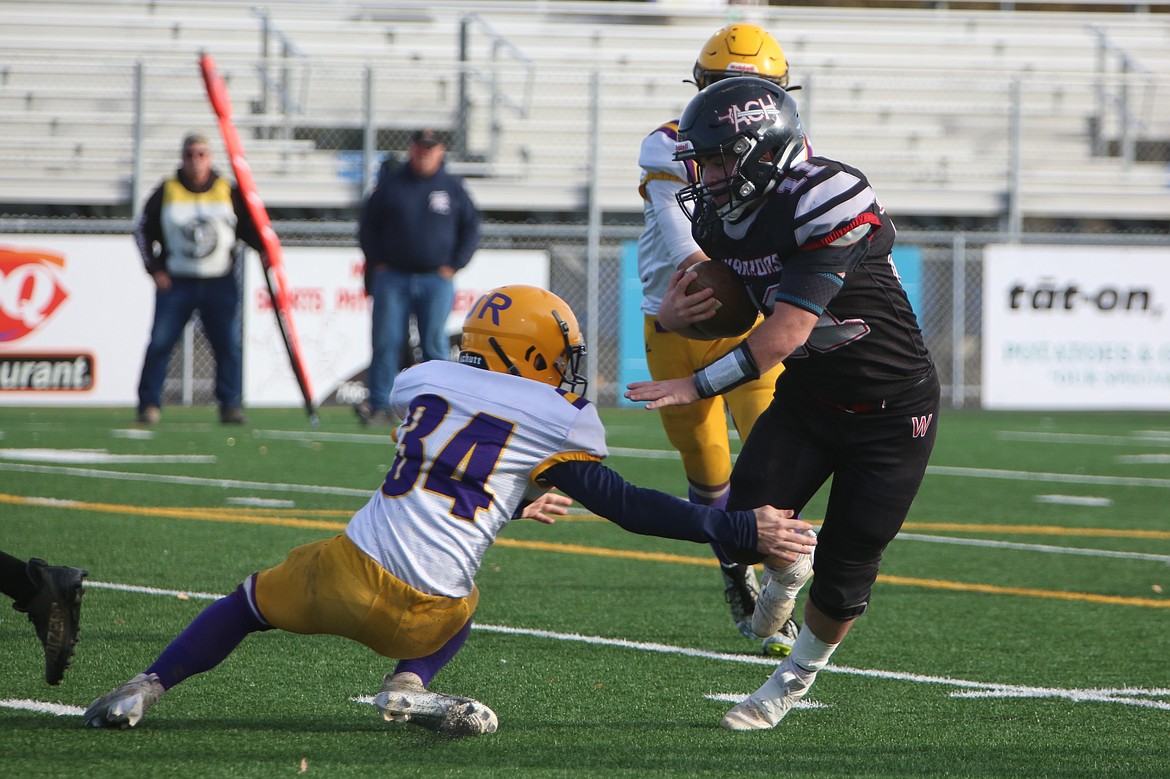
858 400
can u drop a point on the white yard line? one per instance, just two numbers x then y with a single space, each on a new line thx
1046 548
1140 438
1129 696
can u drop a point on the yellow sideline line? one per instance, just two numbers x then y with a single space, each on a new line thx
247 516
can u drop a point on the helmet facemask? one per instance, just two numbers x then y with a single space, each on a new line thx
746 127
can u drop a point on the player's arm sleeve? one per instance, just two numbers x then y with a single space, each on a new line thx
148 234
467 240
674 229
649 512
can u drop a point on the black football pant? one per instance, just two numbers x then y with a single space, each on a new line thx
876 458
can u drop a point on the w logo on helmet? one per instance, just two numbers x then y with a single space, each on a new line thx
762 109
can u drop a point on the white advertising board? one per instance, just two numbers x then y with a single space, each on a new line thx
331 316
76 311
75 314
1076 328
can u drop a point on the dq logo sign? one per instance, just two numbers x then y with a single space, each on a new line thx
30 291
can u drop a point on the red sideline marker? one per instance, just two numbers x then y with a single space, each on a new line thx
273 258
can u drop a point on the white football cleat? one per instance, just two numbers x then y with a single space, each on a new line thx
124 707
777 596
765 707
404 699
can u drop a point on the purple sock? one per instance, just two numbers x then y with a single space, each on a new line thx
427 667
720 503
207 641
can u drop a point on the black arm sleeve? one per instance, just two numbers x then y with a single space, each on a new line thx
148 234
649 512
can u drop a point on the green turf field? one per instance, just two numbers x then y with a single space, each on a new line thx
1021 626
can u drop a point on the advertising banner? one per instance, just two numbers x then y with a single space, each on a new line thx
76 311
332 314
75 314
1076 327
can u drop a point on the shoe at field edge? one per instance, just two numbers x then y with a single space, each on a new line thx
740 591
149 415
55 612
363 411
232 415
380 418
404 699
765 707
778 591
124 706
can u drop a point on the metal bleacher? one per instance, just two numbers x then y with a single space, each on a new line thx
947 111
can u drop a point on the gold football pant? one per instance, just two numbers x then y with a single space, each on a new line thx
699 430
333 587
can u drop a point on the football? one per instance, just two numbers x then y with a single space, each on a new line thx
735 312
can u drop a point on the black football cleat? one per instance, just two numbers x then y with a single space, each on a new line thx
55 612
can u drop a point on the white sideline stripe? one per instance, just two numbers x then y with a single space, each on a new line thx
42 707
1138 438
1157 558
1063 478
1128 696
1074 500
180 594
191 480
1143 459
351 438
131 433
99 456
647 454
940 470
270 503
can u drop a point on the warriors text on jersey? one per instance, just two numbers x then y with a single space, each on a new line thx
821 221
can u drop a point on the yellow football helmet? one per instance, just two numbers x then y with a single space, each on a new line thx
525 331
741 50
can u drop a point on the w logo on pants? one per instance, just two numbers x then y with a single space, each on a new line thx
920 425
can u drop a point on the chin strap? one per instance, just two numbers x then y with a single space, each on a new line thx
512 369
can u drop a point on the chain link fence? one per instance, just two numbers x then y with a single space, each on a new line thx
974 129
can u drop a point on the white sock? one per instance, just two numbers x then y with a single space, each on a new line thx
809 653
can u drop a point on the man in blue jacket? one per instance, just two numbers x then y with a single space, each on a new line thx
416 229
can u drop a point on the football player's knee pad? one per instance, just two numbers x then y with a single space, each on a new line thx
841 603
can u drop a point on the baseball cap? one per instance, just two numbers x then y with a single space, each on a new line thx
426 137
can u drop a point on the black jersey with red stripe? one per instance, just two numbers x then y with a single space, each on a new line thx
823 220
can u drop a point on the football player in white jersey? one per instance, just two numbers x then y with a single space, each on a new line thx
699 431
482 442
